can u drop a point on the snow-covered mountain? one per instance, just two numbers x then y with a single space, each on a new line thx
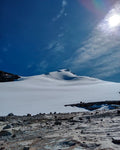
50 92
67 75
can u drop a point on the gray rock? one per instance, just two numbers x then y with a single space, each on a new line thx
3 119
10 114
4 133
57 123
28 115
7 126
116 141
2 148
68 143
26 148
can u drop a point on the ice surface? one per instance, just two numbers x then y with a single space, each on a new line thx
49 93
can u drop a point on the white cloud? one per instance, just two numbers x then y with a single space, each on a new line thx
102 45
62 11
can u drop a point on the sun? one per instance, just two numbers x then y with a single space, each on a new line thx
114 20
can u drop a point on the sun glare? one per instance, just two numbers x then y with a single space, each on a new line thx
114 20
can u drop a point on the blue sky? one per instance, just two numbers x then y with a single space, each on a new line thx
38 36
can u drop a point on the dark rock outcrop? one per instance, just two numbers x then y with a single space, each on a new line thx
26 148
116 141
4 133
7 127
111 104
6 77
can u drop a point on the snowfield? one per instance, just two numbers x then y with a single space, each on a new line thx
49 93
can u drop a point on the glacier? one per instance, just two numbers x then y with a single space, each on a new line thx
50 92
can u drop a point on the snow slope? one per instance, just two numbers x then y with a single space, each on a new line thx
49 93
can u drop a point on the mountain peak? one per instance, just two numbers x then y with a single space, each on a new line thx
67 75
62 74
64 70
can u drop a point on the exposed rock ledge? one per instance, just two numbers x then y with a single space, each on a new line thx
97 130
111 104
6 77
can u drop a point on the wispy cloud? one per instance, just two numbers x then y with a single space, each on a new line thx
62 11
56 46
38 67
101 51
42 65
109 65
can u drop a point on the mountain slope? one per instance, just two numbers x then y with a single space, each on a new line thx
49 93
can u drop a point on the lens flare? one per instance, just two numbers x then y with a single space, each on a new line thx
99 4
95 6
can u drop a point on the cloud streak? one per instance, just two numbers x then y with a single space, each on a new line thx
101 51
56 46
62 11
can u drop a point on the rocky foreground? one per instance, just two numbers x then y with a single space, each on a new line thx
98 130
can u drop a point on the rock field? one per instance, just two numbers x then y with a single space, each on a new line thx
97 130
